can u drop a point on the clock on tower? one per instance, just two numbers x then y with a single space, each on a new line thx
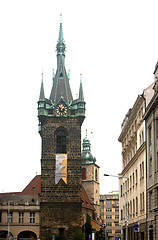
60 121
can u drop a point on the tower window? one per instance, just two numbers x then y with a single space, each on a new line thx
96 175
83 174
61 142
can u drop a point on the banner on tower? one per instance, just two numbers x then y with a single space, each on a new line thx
61 168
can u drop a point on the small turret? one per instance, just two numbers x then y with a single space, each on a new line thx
87 157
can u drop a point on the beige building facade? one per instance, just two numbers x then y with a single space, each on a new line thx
109 206
132 182
151 119
19 216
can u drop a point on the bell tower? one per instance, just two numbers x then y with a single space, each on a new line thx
60 121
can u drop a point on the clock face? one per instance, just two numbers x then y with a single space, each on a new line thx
61 110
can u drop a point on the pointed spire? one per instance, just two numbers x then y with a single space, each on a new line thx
81 96
42 95
61 43
61 86
60 39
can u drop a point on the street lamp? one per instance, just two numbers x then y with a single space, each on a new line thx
108 175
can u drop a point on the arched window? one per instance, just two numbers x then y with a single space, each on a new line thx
61 141
96 175
83 174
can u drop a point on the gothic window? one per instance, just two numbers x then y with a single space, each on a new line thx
61 141
83 174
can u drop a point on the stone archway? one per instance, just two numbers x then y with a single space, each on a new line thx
27 235
4 235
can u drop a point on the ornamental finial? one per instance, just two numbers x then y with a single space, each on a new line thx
80 77
60 17
86 132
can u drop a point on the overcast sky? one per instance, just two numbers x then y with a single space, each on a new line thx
114 44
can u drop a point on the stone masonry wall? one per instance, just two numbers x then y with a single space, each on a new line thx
61 205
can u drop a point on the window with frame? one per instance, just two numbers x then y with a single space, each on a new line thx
136 206
21 217
121 214
108 210
150 166
61 141
143 201
130 182
32 217
133 207
133 179
96 175
121 190
136 176
10 217
150 200
142 169
149 135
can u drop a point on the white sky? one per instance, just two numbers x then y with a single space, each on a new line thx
115 46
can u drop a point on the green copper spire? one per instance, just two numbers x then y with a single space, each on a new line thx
42 95
81 96
61 43
61 87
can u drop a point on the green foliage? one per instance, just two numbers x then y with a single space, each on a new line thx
87 228
78 236
48 236
60 237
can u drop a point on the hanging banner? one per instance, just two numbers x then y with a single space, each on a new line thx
61 168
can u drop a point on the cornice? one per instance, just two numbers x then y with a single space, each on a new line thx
134 159
132 117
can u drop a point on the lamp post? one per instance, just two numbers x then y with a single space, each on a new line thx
108 175
8 218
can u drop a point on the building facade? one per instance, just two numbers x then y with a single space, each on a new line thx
90 176
60 121
20 212
151 119
132 181
109 206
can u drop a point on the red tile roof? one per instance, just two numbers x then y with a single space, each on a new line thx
34 187
85 200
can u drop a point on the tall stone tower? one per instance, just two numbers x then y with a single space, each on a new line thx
60 120
90 176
